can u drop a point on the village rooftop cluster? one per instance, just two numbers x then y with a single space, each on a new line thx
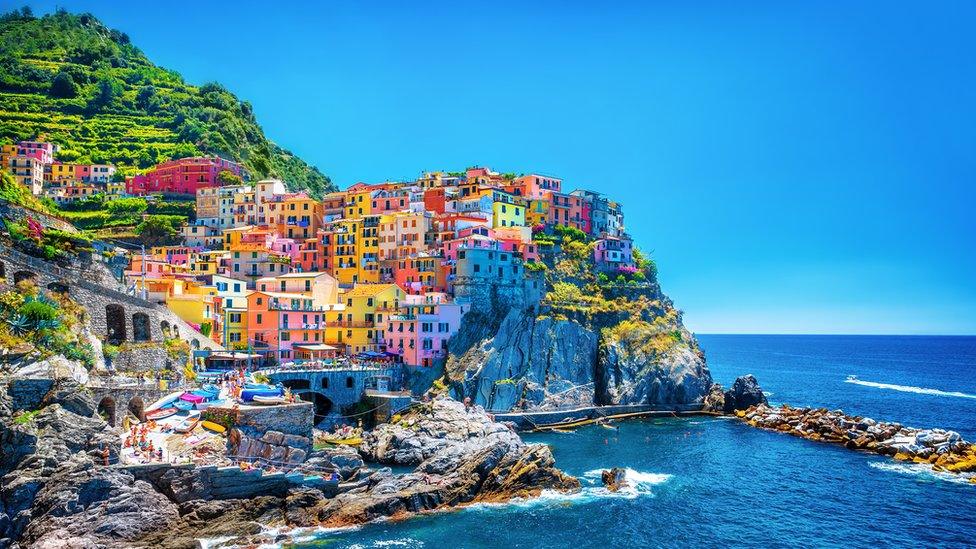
369 272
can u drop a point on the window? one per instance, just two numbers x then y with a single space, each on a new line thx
349 382
259 320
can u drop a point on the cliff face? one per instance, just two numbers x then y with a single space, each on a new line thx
588 341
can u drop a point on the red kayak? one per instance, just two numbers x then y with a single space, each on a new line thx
161 413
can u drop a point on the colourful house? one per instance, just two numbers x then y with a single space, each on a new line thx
357 325
419 331
182 176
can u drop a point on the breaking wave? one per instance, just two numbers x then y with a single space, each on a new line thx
919 470
910 389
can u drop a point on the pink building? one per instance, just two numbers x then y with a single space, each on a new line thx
565 209
534 186
41 151
418 333
182 176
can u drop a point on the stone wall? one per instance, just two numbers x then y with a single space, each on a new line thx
93 286
488 295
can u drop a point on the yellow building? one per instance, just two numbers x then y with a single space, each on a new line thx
6 153
59 173
345 250
507 209
357 324
194 303
369 250
537 212
358 201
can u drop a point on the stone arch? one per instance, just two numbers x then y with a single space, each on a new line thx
321 403
106 408
114 323
58 287
296 384
137 407
140 327
20 276
164 328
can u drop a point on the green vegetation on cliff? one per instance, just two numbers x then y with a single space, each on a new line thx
69 79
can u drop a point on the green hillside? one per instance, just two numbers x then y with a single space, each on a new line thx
71 80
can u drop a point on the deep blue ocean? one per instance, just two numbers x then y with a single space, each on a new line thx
704 482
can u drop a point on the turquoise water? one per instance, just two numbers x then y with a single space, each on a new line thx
707 482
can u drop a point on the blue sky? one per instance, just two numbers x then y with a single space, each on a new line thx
793 167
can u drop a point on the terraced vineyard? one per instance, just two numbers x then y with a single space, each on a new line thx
69 79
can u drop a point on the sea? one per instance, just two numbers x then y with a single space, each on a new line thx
714 482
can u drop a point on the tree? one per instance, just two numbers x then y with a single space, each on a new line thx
63 86
107 90
227 177
145 96
155 229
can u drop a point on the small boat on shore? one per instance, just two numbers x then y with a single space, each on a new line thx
356 441
208 403
161 413
188 423
165 402
183 405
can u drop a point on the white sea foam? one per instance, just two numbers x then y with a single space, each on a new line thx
919 470
910 389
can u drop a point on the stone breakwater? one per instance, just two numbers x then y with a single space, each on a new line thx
943 450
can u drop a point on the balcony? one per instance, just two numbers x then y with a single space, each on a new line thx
352 324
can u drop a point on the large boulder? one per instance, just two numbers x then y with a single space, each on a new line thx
72 396
462 456
745 392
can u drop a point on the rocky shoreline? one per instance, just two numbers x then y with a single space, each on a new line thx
944 451
57 492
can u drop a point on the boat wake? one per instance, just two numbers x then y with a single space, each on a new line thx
909 388
920 470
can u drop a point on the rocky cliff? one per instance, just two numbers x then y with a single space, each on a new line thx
591 340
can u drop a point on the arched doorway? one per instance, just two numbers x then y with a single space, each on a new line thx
321 403
164 327
137 408
114 324
106 409
296 384
58 287
140 327
3 270
20 276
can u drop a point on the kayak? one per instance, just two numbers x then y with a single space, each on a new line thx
215 427
345 441
161 413
260 399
